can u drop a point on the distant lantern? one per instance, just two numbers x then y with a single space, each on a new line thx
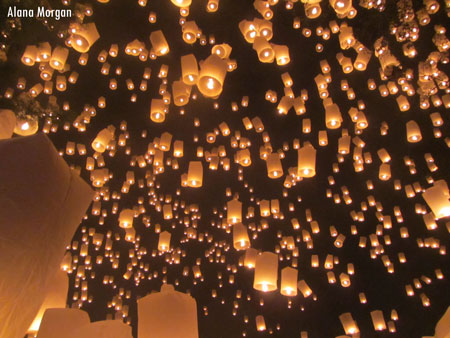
223 50
384 172
83 36
266 272
212 75
59 58
304 288
195 174
274 167
240 237
159 43
289 282
378 320
212 6
249 30
306 165
413 133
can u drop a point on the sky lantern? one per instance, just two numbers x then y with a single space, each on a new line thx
240 237
159 43
266 272
437 198
195 174
83 36
59 58
181 3
212 75
306 165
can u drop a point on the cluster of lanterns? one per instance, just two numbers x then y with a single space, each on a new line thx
173 218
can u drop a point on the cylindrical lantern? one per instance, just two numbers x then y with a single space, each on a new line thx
212 75
289 282
306 164
240 237
274 167
195 174
159 43
413 133
266 272
83 36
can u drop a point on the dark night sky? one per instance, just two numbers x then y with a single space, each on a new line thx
121 22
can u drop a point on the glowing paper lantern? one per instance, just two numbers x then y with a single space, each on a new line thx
289 282
234 211
102 139
281 54
189 69
167 314
7 123
26 125
30 55
274 167
260 323
195 174
313 10
164 241
35 240
333 117
83 36
264 50
181 3
59 58
126 217
212 75
266 272
158 110
306 165
437 199
413 133
159 43
240 237
348 323
181 92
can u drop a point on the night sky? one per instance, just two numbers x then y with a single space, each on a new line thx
120 22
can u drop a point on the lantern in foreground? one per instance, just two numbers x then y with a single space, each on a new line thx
167 314
189 69
274 167
266 272
60 322
234 211
40 210
348 323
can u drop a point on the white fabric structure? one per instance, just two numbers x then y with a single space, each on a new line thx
41 204
59 323
102 329
167 314
7 123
